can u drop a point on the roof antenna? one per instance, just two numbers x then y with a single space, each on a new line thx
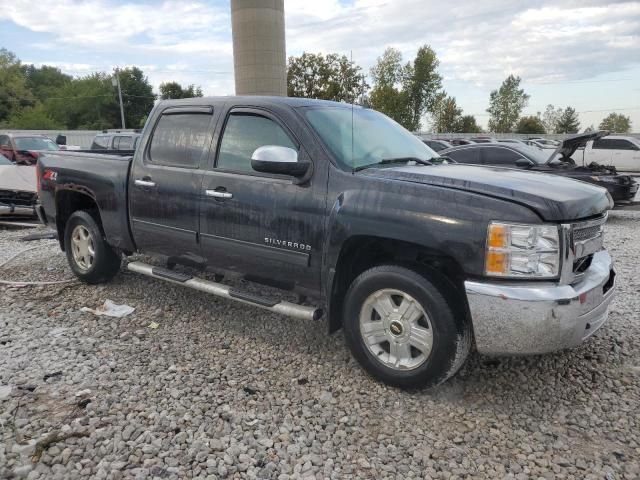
353 166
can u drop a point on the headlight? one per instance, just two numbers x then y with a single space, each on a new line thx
524 251
606 179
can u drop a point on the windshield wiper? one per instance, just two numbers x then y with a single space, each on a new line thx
389 161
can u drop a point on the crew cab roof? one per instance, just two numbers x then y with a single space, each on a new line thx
256 100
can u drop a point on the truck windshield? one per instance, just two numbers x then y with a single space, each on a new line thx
360 137
35 143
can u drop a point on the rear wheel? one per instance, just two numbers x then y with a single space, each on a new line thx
402 329
90 257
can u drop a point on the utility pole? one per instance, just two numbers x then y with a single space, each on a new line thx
116 82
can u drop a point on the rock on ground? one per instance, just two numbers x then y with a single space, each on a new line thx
222 390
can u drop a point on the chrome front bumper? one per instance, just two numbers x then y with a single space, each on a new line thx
524 318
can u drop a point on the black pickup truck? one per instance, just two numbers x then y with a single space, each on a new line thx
414 258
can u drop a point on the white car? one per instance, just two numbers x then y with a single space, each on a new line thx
613 150
17 188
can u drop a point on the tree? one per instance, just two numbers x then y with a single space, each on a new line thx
88 102
33 118
550 118
174 90
468 124
14 93
137 95
530 125
506 105
446 114
405 92
616 123
330 77
45 81
568 122
388 95
422 83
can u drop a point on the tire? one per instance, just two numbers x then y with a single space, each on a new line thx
90 257
402 329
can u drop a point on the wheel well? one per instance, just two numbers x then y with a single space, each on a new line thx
361 253
68 202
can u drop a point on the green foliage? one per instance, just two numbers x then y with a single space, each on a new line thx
88 102
45 81
330 77
506 105
33 118
173 90
137 95
406 92
530 125
616 123
423 83
468 124
447 116
14 93
44 97
568 122
550 118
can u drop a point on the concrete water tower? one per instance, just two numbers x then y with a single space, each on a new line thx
259 55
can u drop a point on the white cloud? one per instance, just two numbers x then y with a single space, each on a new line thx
477 42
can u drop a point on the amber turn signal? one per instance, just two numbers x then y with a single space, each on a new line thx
498 236
497 263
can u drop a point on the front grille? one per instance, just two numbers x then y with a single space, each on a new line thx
19 199
586 233
587 239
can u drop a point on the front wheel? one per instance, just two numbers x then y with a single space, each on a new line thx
402 329
90 257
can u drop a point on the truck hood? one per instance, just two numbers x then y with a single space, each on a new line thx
552 197
569 145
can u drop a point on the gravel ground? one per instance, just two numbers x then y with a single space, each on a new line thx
222 390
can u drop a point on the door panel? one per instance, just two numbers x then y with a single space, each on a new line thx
165 184
267 228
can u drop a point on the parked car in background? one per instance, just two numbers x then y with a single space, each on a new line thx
25 148
543 143
118 141
414 258
461 141
617 151
511 140
622 188
483 139
437 145
17 189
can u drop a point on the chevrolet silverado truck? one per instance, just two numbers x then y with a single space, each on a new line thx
415 258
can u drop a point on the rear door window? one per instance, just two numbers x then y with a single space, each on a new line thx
180 139
613 144
465 155
500 156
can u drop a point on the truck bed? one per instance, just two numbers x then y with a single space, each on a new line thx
102 177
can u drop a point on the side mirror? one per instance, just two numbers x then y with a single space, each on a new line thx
61 139
278 160
524 163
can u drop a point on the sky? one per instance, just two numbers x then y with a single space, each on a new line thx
581 53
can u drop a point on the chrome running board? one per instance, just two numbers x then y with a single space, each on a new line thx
218 289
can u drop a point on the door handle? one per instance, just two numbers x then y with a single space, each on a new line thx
145 183
218 194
